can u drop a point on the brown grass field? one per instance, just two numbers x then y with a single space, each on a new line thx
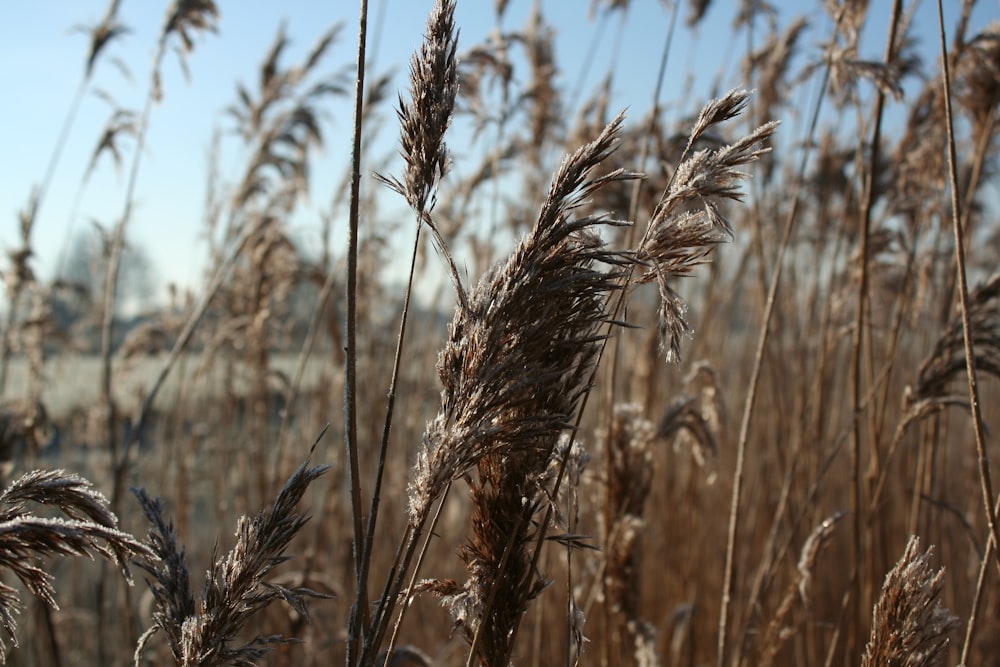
571 456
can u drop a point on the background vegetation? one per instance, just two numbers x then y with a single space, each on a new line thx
768 463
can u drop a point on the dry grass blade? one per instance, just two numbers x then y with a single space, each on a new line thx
24 538
910 627
207 632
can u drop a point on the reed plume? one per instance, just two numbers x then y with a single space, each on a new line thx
206 631
424 120
518 361
910 627
88 528
518 358
680 236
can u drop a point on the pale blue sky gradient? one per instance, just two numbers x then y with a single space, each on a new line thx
41 62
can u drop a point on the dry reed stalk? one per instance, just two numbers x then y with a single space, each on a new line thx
543 114
910 627
323 313
281 126
676 239
207 631
487 410
977 65
753 384
932 393
518 360
423 124
968 343
862 544
359 615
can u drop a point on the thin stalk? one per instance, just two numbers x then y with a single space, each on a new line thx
983 142
390 404
378 633
393 583
985 476
51 636
970 628
751 397
863 587
359 620
114 261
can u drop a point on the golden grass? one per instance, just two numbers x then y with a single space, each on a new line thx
560 495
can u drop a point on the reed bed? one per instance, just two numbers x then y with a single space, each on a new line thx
543 445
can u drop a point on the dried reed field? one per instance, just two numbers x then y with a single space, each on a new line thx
540 446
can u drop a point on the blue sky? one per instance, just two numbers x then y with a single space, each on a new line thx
41 62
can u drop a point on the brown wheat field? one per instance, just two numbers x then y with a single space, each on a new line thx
662 381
